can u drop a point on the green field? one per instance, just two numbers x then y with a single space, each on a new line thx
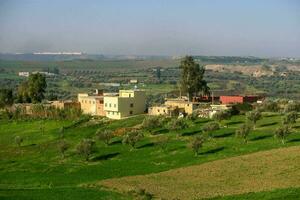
37 171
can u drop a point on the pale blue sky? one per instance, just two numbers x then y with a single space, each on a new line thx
152 27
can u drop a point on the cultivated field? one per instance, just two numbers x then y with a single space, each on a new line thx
255 172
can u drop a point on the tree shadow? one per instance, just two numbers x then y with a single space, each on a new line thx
261 137
269 124
294 140
296 127
191 133
160 131
116 142
233 123
223 135
202 121
151 144
213 151
29 145
105 157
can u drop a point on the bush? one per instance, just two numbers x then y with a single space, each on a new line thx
18 140
222 115
63 147
282 132
85 148
132 138
290 118
177 124
269 106
197 144
209 127
243 132
104 136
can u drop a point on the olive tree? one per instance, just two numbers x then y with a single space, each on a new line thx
196 144
85 147
132 138
210 127
253 116
282 132
243 132
290 118
104 136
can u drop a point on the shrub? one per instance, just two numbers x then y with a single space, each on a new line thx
197 144
104 136
209 127
177 124
132 138
222 115
253 116
85 148
243 132
282 132
295 106
162 142
290 118
269 106
18 140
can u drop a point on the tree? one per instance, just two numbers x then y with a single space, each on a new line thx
177 124
196 144
282 132
36 87
18 140
243 132
222 115
209 127
23 93
192 80
63 147
162 142
85 148
6 97
253 116
290 118
104 136
132 138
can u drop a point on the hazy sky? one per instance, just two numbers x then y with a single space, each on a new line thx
152 27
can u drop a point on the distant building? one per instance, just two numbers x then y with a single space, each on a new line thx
44 73
133 81
92 104
24 74
65 104
174 106
238 99
126 103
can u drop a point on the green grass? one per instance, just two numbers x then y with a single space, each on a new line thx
38 164
280 194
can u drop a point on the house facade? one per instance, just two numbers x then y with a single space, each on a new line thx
125 104
92 104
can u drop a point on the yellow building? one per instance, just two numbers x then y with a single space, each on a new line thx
125 104
184 104
91 104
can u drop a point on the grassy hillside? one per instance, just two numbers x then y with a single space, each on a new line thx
37 169
255 172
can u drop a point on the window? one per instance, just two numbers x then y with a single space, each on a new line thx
158 110
110 105
90 102
129 95
105 104
93 102
130 112
131 105
115 105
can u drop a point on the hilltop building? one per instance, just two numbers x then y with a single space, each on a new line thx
239 99
92 104
125 104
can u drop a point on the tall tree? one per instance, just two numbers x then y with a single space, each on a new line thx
36 87
6 97
192 81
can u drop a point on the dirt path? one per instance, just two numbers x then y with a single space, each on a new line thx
262 171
